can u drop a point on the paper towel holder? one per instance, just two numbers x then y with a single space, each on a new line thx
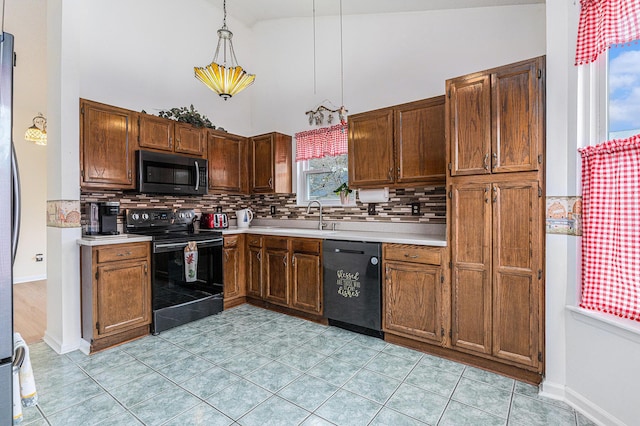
378 195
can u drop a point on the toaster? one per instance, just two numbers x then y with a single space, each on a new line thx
214 221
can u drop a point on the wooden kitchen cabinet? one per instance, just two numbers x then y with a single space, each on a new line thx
400 145
371 149
115 293
413 292
234 270
254 266
276 270
306 275
107 138
496 119
163 134
270 159
497 254
227 157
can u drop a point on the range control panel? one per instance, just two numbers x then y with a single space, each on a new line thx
158 218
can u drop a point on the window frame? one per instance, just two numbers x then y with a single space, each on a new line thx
302 197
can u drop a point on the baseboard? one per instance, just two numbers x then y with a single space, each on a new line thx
552 390
57 346
85 347
29 279
591 410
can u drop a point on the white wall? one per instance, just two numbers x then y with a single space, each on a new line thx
388 59
26 20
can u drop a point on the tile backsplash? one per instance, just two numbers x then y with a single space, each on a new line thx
397 209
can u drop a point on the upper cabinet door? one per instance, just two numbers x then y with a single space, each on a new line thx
227 162
420 141
189 139
155 132
106 138
517 103
469 109
371 148
262 173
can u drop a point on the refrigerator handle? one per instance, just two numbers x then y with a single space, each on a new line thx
15 231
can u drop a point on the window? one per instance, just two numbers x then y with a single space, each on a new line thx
319 177
321 157
623 78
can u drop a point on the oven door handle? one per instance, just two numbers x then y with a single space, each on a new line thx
202 243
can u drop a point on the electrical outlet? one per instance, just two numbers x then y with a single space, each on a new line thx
415 209
39 257
371 209
273 210
219 209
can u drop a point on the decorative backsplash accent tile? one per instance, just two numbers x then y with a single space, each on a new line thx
397 209
63 213
564 215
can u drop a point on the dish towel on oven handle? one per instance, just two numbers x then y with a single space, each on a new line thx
191 262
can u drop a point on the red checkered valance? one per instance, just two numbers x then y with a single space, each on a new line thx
604 23
323 142
611 227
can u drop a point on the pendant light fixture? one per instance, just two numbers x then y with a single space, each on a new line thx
226 79
37 133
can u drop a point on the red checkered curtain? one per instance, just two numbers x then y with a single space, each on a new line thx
323 142
611 227
604 23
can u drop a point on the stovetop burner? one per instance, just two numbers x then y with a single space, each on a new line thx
167 225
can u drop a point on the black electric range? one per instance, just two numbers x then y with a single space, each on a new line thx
186 283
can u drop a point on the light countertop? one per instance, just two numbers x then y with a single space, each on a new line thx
101 240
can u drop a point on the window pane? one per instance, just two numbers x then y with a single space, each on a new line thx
624 91
324 176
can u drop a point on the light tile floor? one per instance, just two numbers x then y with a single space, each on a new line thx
250 366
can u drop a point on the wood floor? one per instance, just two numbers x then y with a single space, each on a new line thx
30 310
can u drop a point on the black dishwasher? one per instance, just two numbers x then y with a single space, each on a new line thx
352 286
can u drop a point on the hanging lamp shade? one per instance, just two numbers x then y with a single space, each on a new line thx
224 79
37 133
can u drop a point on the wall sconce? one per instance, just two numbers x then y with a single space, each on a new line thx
37 133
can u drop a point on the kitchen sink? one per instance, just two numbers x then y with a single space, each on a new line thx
294 231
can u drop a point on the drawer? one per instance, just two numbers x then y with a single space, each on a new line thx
117 252
276 243
412 253
305 245
254 240
231 241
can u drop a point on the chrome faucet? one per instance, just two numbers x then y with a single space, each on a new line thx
321 224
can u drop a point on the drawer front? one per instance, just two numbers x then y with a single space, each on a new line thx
412 253
254 240
118 252
276 243
231 241
305 245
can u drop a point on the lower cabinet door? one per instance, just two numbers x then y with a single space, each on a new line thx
254 271
122 296
277 276
413 300
306 283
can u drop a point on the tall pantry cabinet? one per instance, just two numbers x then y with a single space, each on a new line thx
495 185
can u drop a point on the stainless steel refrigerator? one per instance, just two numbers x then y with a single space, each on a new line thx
9 225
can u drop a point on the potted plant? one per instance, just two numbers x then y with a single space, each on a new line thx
344 192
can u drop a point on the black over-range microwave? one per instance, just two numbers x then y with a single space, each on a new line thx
160 173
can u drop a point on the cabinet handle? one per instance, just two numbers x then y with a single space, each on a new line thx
495 160
284 260
259 257
128 175
293 260
486 198
270 182
485 162
390 173
411 256
178 143
398 171
495 194
226 255
254 242
125 254
170 141
145 269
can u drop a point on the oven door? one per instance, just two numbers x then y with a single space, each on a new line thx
177 300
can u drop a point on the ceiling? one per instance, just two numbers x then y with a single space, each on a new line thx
251 11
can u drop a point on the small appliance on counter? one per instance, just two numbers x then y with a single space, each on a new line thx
214 221
244 218
102 218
